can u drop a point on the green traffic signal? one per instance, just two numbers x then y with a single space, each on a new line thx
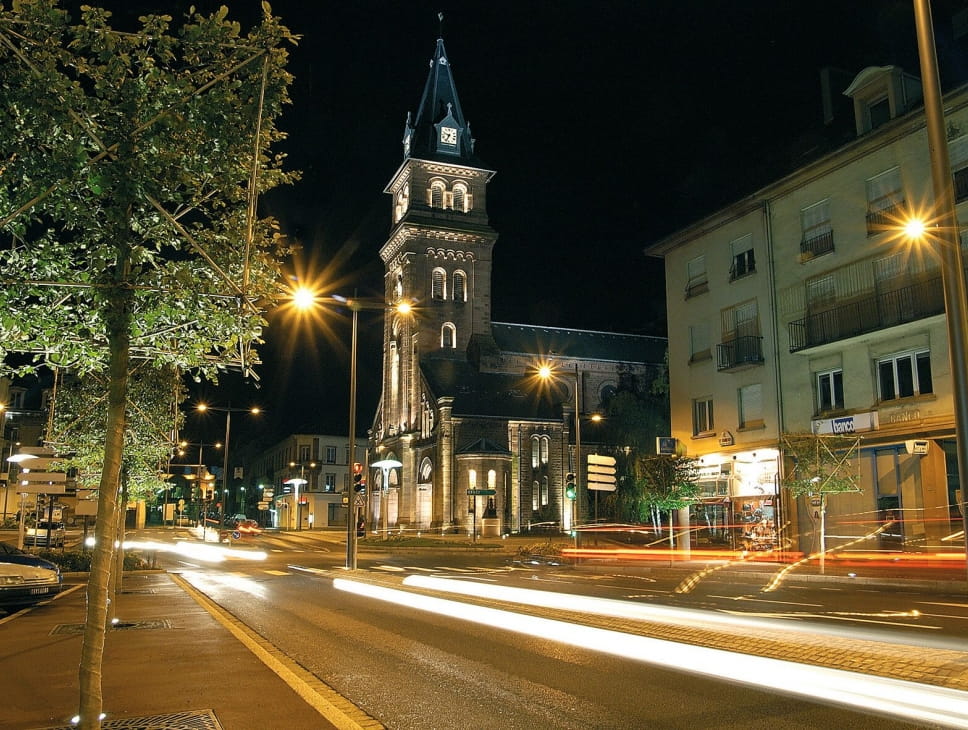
570 489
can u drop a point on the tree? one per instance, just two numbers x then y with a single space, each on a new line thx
665 484
133 162
821 465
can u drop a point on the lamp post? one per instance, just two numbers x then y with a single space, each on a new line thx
228 411
296 482
305 299
546 372
385 465
203 489
6 488
17 459
952 265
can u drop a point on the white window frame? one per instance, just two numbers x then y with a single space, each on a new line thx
743 261
831 381
893 368
703 421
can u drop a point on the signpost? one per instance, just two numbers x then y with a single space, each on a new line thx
601 476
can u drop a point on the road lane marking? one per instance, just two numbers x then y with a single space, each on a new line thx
317 694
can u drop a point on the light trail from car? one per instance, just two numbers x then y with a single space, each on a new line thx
922 703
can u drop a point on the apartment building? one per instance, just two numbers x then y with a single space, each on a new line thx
804 309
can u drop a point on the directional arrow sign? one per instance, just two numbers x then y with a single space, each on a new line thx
601 473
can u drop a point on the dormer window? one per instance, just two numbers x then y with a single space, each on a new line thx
880 94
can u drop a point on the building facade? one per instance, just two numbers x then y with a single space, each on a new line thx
482 443
804 309
302 481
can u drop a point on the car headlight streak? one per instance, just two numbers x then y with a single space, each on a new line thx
897 697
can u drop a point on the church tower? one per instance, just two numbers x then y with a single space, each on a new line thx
438 254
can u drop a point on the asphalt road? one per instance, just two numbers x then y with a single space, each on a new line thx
414 669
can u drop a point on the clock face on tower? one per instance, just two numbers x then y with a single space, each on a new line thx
448 135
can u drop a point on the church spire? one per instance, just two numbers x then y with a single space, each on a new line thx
439 130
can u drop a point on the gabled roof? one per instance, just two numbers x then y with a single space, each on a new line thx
484 446
580 344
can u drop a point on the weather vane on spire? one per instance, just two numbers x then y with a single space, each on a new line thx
440 20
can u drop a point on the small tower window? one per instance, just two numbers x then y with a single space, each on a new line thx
460 197
439 284
448 335
460 291
437 194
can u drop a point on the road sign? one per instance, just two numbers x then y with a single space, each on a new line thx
263 506
268 494
360 502
601 473
481 492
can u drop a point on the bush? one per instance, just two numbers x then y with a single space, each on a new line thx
79 561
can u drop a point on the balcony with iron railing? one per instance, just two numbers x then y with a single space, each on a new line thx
816 245
923 298
887 218
739 352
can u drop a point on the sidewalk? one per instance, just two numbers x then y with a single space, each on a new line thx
170 664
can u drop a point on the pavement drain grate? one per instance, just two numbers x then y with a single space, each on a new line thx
189 720
162 623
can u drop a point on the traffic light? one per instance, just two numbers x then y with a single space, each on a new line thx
359 483
570 489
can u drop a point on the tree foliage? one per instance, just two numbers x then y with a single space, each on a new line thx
821 464
79 423
131 167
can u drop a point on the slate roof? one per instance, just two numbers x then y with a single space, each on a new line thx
493 395
582 344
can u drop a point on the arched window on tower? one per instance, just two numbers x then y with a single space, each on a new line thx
535 451
438 285
460 290
545 443
448 335
460 197
437 194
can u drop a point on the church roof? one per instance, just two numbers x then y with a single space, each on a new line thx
579 344
494 395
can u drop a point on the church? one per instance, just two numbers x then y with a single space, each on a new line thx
485 445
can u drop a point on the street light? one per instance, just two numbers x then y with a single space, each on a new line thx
946 232
6 488
546 372
296 482
228 411
203 488
301 480
17 459
305 299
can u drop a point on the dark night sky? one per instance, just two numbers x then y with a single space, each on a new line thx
610 124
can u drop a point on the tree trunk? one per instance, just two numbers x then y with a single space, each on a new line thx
117 312
117 573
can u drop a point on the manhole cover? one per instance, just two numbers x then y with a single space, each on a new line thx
161 623
189 720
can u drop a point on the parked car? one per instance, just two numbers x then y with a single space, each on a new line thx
48 534
26 579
